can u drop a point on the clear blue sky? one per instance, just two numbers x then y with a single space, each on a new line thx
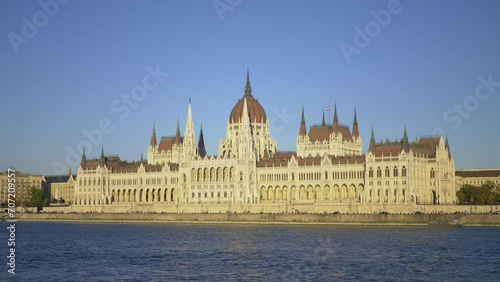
64 78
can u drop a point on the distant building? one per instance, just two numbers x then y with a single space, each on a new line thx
61 187
476 177
24 181
328 172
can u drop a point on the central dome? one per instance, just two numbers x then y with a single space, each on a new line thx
255 110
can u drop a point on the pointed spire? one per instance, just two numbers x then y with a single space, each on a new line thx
372 142
447 146
153 143
303 129
355 129
404 141
142 159
335 119
323 119
83 162
178 134
189 138
189 115
248 88
103 158
244 115
202 152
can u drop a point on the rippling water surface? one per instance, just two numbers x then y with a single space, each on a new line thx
62 251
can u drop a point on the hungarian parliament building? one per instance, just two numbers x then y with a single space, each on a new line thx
328 172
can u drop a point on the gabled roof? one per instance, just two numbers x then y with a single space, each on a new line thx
319 133
322 132
424 146
428 145
282 159
58 178
278 159
348 159
346 133
167 143
388 149
478 173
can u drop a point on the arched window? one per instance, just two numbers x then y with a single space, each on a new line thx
433 174
395 171
403 172
370 172
387 172
379 172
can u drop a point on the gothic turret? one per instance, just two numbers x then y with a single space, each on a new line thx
404 142
177 134
335 120
153 143
189 141
323 119
201 144
355 130
447 147
372 143
83 162
103 158
303 129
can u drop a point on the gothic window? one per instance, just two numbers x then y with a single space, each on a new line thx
379 172
395 172
433 174
370 172
403 172
387 172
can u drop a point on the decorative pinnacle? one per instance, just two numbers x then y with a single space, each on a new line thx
248 87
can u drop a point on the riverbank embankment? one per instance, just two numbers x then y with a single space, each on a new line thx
341 219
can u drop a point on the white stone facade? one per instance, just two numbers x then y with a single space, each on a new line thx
328 173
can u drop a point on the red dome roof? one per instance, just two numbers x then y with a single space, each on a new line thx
255 111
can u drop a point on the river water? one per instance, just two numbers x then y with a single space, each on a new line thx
64 251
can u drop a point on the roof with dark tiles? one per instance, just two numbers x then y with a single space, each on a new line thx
478 173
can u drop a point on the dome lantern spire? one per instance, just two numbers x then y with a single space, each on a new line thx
248 87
